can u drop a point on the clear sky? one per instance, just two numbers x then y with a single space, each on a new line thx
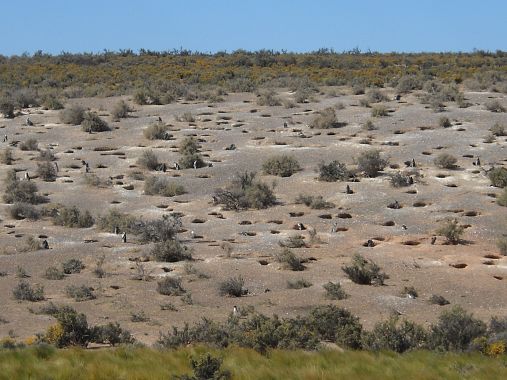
54 26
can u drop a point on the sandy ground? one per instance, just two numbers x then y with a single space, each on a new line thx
258 133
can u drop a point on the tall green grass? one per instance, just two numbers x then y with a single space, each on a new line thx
129 363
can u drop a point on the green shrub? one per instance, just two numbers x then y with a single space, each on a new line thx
53 273
170 251
30 144
259 196
170 286
72 266
379 111
189 149
162 186
395 336
409 83
289 260
24 211
334 324
24 292
120 110
73 115
298 284
6 157
445 161
282 165
47 171
364 272
334 291
233 287
451 230
148 160
189 146
371 163
332 172
80 292
157 230
498 177
376 96
73 217
51 102
92 122
455 330
157 131
206 367
111 334
74 329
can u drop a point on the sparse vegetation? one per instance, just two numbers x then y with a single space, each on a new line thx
371 163
298 284
498 177
148 160
233 287
293 241
170 251
268 98
93 123
396 336
162 186
120 110
332 172
46 171
157 131
20 210
326 119
6 156
400 180
498 130
30 144
73 115
189 149
379 111
170 286
80 292
437 299
494 106
334 291
72 266
53 273
444 122
73 217
289 260
314 202
25 292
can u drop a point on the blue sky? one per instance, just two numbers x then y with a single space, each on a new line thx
54 26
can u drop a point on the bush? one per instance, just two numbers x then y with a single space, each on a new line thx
53 273
162 186
244 192
189 149
394 336
436 299
314 202
498 177
170 251
46 155
115 218
282 165
502 199
444 122
409 83
185 117
294 241
31 244
25 98
371 163
20 191
334 324
170 286
451 230
502 245
95 181
30 144
495 106
332 172
400 180
80 292
73 217
47 171
24 292
379 111
289 260
206 367
158 230
445 161
364 272
148 160
268 98
326 119
120 110
376 96
92 122
72 266
498 130
111 334
51 102
6 157
455 330
70 330
157 131
73 115
7 108
233 287
24 211
334 291
299 284
409 291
